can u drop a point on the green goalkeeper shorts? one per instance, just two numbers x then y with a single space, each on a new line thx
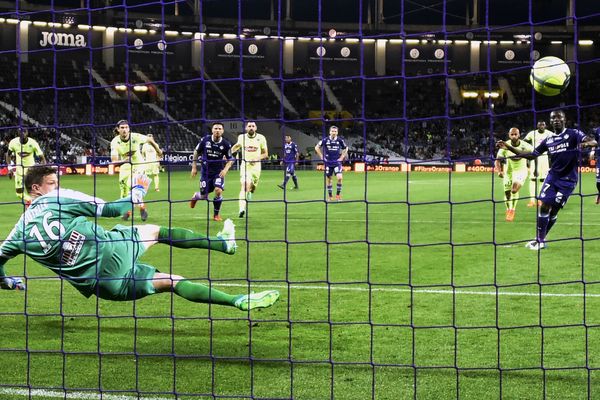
122 277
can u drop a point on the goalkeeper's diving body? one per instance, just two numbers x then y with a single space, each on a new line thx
55 232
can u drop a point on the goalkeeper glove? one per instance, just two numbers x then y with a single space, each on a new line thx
8 283
139 188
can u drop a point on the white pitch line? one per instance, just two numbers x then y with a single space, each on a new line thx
74 395
406 290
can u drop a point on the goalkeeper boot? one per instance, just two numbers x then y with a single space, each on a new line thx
227 235
143 213
126 216
281 187
598 199
338 197
257 300
217 218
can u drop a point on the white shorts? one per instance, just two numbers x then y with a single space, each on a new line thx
514 177
250 171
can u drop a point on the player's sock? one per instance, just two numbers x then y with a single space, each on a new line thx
330 190
514 199
507 199
543 220
551 223
199 293
156 182
338 188
286 178
187 239
242 200
532 192
217 201
295 179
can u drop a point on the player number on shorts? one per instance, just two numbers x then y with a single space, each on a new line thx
50 230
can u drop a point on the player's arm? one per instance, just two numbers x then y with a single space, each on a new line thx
588 142
155 145
8 162
194 161
264 151
236 147
498 163
318 151
7 252
521 153
40 153
225 169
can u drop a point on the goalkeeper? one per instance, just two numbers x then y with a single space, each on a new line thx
55 232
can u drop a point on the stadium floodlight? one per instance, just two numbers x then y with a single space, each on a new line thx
140 88
54 24
121 88
84 27
469 95
99 28
137 30
507 42
40 23
185 33
461 42
412 41
12 21
586 42
493 95
556 42
229 36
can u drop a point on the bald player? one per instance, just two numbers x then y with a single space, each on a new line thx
514 173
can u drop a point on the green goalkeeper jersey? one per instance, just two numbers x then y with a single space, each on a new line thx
55 232
515 163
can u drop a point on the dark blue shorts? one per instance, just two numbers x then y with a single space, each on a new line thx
556 192
290 168
333 169
597 171
210 182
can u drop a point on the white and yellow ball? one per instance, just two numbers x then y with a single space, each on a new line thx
550 76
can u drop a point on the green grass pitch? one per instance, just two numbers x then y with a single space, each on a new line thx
380 299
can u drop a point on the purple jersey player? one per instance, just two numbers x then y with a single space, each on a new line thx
564 149
332 151
214 153
290 158
597 153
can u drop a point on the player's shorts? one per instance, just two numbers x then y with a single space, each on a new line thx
556 192
539 168
152 168
513 177
208 184
19 174
122 278
597 170
250 171
290 168
126 179
333 169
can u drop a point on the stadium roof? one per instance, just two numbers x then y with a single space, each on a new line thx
380 12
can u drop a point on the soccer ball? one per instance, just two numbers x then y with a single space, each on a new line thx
550 76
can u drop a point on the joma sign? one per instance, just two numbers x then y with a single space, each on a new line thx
62 39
